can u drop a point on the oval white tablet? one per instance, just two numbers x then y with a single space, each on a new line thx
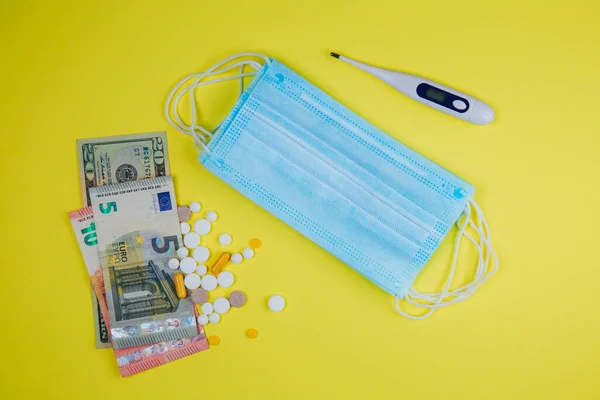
202 227
182 252
225 239
195 207
201 253
203 319
207 308
185 228
191 240
236 258
209 282
192 281
276 303
225 279
248 252
211 216
173 263
214 318
201 269
187 265
221 305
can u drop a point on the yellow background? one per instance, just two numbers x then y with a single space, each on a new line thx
73 69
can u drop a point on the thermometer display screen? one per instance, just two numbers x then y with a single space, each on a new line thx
435 95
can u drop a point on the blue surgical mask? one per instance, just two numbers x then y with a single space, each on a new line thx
366 198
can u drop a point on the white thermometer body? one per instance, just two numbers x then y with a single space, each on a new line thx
430 93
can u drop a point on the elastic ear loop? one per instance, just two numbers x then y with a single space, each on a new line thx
200 134
434 300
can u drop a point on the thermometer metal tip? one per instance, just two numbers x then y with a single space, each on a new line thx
435 95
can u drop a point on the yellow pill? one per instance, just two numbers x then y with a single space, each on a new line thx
214 340
180 286
252 333
255 243
220 263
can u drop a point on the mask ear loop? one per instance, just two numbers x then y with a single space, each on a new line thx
200 134
486 253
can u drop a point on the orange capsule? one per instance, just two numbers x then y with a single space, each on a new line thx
255 243
220 263
180 286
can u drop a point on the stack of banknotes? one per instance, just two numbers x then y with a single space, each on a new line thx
127 232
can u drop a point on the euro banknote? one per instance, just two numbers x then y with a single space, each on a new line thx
138 232
116 159
135 359
84 228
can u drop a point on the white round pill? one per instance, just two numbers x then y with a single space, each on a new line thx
191 240
209 282
187 265
225 239
195 207
221 305
201 269
185 228
192 281
214 318
173 263
211 216
276 303
225 279
202 227
201 253
207 308
236 258
203 319
182 252
248 252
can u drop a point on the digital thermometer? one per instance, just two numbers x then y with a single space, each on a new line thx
430 93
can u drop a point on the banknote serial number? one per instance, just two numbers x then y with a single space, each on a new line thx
125 191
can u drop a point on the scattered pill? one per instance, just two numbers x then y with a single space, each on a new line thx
221 305
225 279
184 213
207 308
182 252
255 243
202 227
199 296
191 240
195 207
179 286
203 319
201 269
173 263
248 252
236 258
187 265
225 239
220 262
211 216
214 340
276 303
237 299
209 283
192 281
252 333
201 253
214 318
185 228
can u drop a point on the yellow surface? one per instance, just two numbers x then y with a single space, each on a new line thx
71 71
